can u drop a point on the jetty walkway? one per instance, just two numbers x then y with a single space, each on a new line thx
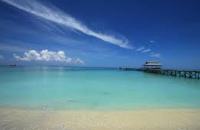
193 74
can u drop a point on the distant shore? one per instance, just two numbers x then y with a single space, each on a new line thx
152 119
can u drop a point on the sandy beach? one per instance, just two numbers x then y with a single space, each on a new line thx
155 119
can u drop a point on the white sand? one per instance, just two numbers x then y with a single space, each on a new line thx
165 119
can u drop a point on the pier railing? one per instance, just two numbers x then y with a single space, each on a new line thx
181 73
193 74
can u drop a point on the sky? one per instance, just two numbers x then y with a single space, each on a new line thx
100 33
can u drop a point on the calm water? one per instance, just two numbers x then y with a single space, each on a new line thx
67 88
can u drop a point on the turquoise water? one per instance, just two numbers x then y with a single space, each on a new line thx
71 88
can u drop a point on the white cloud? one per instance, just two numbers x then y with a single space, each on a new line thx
45 55
55 15
156 55
152 41
78 61
140 48
146 50
149 51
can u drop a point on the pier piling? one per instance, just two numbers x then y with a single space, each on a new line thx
176 73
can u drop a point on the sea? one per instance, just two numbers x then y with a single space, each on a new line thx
89 88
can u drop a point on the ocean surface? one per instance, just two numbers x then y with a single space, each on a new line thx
91 88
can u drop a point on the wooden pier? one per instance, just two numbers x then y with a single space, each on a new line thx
193 74
182 73
155 68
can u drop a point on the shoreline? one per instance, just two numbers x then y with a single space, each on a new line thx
146 119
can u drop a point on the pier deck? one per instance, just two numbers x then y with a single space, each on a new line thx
193 74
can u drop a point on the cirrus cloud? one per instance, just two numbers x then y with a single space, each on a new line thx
155 55
47 56
59 17
146 50
140 48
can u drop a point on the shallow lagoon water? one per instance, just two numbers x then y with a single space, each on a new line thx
89 88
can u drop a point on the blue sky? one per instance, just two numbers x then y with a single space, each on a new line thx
100 32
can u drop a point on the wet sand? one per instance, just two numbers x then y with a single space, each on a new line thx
154 119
